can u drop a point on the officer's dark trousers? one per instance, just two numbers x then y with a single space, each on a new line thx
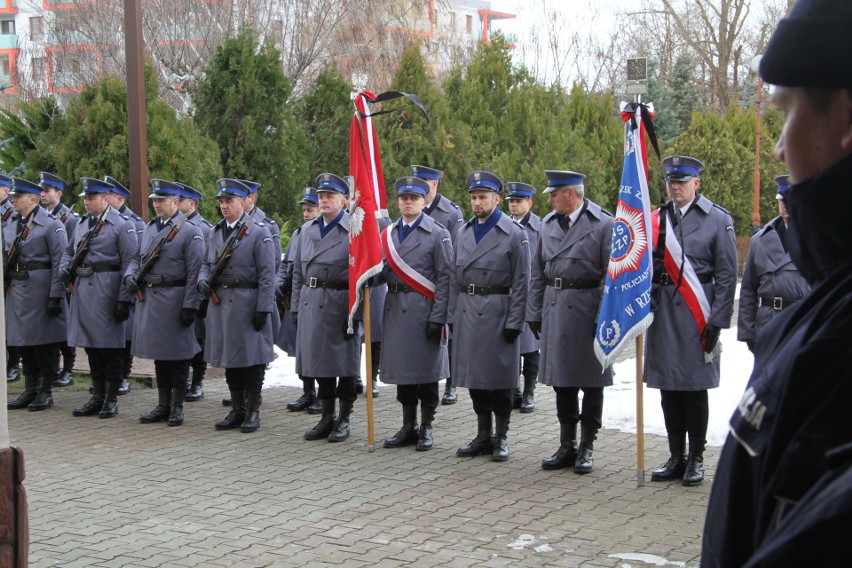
685 412
330 388
248 379
126 360
105 363
498 401
409 395
568 406
199 366
13 358
69 356
40 361
172 374
529 365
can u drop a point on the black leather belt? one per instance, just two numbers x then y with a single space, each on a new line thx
248 285
32 266
329 284
168 283
568 284
776 302
474 290
664 279
399 287
85 270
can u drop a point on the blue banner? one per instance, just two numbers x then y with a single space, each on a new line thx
625 310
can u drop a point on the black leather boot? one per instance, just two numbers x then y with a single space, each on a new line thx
304 402
326 423
566 455
110 407
585 462
65 378
450 396
161 411
176 409
195 392
25 398
675 467
341 427
315 407
235 417
482 444
359 385
408 434
500 451
94 405
44 400
694 473
424 438
252 420
528 402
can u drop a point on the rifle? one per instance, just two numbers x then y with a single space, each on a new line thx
225 254
12 257
83 248
153 256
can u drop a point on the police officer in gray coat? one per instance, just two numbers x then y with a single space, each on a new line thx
188 205
13 357
488 297
771 282
35 302
568 269
118 200
163 277
520 197
286 338
100 304
683 361
52 187
325 348
239 324
417 256
446 212
261 217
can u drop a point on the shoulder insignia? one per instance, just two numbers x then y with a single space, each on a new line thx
197 238
260 224
131 230
446 240
60 229
730 228
525 242
267 239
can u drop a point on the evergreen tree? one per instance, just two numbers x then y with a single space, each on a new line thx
325 114
242 103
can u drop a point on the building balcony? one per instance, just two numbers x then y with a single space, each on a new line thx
8 41
8 6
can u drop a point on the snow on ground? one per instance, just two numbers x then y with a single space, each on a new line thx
620 399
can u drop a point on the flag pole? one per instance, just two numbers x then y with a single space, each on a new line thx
640 414
368 351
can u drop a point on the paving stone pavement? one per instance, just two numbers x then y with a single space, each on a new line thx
116 493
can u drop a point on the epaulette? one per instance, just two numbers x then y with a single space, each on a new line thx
73 213
219 225
152 221
270 220
723 209
207 223
607 212
124 216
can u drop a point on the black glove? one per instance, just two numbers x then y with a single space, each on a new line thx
65 275
204 287
711 335
54 307
130 283
750 344
280 294
187 316
295 316
202 308
510 335
121 311
258 320
433 331
535 328
346 335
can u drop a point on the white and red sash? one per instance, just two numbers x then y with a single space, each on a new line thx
690 288
405 272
